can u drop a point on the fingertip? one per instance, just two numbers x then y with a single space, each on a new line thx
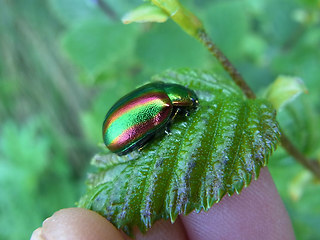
76 223
36 235
162 230
256 213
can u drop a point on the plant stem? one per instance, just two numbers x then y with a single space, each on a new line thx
227 65
310 164
107 9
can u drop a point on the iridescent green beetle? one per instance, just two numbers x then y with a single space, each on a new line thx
144 113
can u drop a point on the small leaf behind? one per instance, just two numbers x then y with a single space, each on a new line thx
284 90
145 13
214 151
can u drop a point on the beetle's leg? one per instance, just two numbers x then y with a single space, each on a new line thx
167 129
186 113
174 113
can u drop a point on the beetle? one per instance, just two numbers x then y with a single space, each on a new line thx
144 113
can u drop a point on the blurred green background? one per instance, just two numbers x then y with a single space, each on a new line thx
63 63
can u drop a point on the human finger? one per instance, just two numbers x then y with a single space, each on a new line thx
256 213
76 224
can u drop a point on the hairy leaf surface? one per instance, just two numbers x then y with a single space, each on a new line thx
214 151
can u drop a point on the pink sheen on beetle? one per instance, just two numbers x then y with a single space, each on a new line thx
137 102
138 131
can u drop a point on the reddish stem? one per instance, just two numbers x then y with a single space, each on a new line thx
310 164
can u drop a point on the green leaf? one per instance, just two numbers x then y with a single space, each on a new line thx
214 151
284 90
298 115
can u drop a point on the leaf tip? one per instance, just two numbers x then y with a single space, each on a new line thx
284 90
145 13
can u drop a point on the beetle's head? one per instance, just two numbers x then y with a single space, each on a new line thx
181 96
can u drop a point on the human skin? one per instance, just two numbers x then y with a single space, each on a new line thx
256 213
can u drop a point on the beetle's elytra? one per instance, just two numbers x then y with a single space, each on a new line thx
143 113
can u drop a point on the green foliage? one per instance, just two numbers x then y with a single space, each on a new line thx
177 49
301 114
230 31
90 43
27 171
74 12
214 151
39 132
42 97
